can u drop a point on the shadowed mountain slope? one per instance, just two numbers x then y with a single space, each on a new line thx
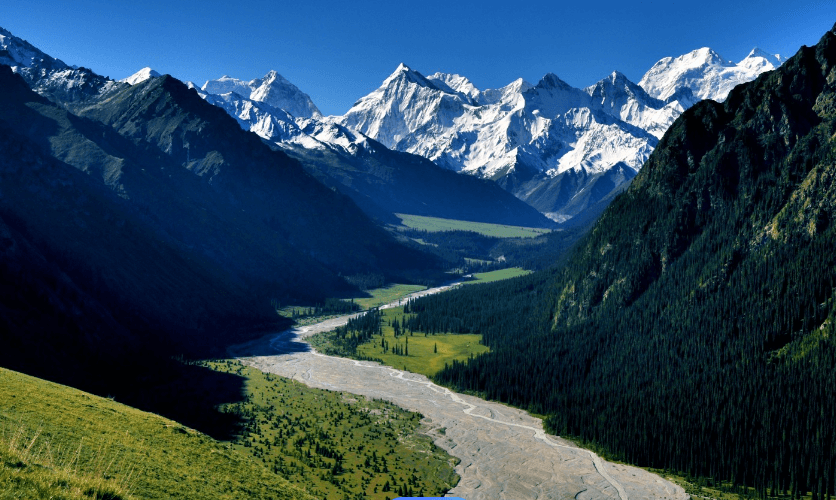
266 185
383 181
116 255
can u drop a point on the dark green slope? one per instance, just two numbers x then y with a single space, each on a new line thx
176 207
266 185
115 257
692 328
383 182
90 274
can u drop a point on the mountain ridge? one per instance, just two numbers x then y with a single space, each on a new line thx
49 76
522 135
706 73
381 181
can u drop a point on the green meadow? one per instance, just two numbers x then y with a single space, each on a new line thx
60 442
417 352
434 224
500 274
336 444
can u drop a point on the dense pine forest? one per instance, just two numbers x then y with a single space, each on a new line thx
693 328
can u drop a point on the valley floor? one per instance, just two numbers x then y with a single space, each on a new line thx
504 452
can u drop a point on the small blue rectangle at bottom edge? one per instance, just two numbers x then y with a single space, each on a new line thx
429 498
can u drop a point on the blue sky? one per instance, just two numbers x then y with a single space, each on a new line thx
339 51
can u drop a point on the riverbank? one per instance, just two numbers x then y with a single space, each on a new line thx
504 451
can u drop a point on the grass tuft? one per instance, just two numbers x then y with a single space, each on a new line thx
33 467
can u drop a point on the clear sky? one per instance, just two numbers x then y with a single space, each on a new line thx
338 52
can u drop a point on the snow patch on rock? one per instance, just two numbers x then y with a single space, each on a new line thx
140 76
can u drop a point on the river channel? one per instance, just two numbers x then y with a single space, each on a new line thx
504 452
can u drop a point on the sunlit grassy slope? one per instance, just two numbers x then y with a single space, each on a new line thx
295 442
59 442
387 294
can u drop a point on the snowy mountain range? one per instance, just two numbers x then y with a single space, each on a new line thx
705 73
381 181
272 90
524 136
562 149
278 111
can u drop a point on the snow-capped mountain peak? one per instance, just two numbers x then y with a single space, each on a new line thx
140 76
552 96
272 89
705 72
505 94
227 84
518 85
403 74
617 77
760 60
616 88
552 81
455 84
705 56
278 111
276 91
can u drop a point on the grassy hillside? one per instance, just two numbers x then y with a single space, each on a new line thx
387 294
498 275
292 442
60 442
